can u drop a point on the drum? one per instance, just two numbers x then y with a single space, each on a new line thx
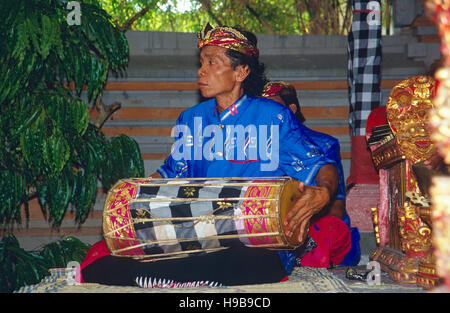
163 218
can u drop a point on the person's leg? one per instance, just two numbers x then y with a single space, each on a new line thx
110 270
333 242
237 265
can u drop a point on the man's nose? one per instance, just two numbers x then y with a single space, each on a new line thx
201 71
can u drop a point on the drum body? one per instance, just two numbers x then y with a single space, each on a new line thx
159 218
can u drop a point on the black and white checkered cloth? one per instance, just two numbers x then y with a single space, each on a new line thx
364 63
172 235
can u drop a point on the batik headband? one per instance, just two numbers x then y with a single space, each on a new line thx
273 88
226 37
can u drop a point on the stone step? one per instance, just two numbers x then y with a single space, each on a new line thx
298 67
188 98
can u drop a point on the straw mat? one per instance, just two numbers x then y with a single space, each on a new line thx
302 280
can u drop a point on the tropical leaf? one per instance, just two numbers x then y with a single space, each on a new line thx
48 145
19 267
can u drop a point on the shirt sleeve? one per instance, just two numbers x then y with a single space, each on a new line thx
175 166
299 156
334 153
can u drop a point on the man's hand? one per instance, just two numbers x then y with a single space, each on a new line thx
311 202
156 175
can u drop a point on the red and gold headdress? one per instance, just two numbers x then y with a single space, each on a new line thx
226 37
272 88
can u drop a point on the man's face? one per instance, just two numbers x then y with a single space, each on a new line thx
215 75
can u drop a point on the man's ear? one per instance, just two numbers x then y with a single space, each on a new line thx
293 107
242 72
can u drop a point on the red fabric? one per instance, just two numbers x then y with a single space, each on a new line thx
98 250
362 170
273 89
376 118
333 240
285 278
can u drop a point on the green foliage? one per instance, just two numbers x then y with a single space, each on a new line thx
259 16
19 268
48 147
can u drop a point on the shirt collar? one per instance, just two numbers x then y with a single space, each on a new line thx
232 110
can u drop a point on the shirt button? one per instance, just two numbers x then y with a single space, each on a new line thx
219 153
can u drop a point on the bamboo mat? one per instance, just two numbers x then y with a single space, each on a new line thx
301 280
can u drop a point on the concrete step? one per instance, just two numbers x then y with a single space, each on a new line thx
298 67
188 98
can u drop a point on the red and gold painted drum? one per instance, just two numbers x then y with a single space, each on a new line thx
160 218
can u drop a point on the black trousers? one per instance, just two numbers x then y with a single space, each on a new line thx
237 265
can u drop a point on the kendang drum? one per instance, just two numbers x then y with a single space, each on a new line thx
166 218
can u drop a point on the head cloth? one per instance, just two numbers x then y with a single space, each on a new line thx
272 88
226 37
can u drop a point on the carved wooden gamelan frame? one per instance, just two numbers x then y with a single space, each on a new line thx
402 220
423 229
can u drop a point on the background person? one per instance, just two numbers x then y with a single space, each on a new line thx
286 94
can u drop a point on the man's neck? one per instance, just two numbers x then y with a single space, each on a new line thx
225 101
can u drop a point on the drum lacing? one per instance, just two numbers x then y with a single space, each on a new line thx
208 218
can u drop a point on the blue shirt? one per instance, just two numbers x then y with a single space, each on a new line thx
255 137
332 151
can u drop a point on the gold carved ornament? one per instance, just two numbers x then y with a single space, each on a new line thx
407 112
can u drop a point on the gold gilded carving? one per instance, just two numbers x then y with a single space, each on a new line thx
408 255
375 224
394 262
415 234
415 237
407 114
386 155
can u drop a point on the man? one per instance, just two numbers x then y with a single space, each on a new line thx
286 94
232 77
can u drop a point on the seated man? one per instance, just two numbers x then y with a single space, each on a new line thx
286 94
232 77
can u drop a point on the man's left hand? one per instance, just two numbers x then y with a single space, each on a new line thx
311 202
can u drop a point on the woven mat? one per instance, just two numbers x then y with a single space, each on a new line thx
302 280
